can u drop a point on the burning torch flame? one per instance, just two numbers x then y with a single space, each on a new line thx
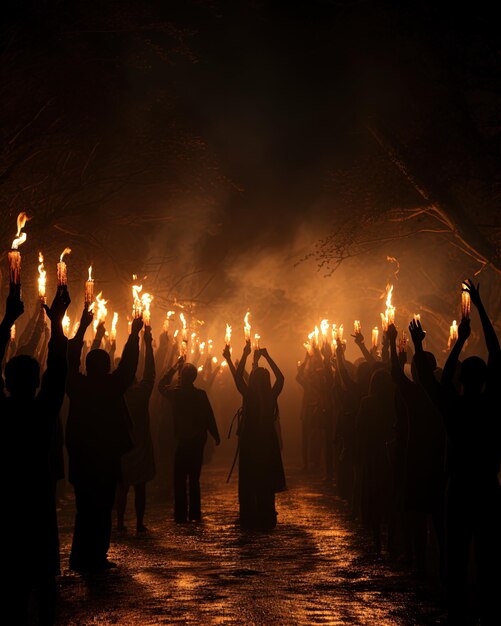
63 254
66 325
137 306
42 278
390 309
113 332
184 334
453 333
417 317
256 341
375 337
465 303
227 336
22 218
247 327
102 311
146 300
324 327
357 327
12 332
167 321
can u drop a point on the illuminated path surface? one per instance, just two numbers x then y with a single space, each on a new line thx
311 570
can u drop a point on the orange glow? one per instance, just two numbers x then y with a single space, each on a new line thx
14 255
62 273
340 333
375 337
417 317
167 321
247 327
146 300
202 347
42 278
20 238
137 306
324 328
66 325
101 310
227 336
357 327
256 341
453 333
12 332
389 315
465 303
113 332
89 288
76 326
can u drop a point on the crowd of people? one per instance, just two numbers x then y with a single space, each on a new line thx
415 454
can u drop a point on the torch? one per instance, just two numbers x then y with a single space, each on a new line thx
14 255
137 307
324 327
256 341
247 327
62 272
146 300
465 303
42 279
375 337
357 327
89 289
167 321
390 309
227 336
66 325
113 332
453 333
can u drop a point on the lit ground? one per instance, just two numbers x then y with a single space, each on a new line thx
313 569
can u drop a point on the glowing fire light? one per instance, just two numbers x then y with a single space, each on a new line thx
403 342
137 305
247 327
227 336
256 341
14 255
146 300
453 333
13 332
324 328
214 360
89 289
113 332
210 345
167 321
340 333
66 325
62 270
357 327
76 326
465 303
389 315
417 317
42 278
375 337
202 348
101 311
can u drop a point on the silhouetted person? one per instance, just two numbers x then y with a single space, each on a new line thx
138 465
97 436
193 419
28 429
260 470
473 500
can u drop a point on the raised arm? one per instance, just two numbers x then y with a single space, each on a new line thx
165 383
52 389
426 376
228 359
397 371
279 377
148 379
98 337
360 342
14 308
29 346
239 374
490 336
75 345
349 384
126 370
450 366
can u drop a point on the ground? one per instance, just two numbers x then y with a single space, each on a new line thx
315 568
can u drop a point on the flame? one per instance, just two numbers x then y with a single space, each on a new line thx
167 320
389 315
453 333
417 317
256 341
202 347
64 253
90 273
316 334
340 333
20 238
137 306
185 327
146 300
324 327
224 364
227 337
176 333
42 277
214 360
101 310
209 346
247 326
92 307
357 327
465 302
200 369
66 325
113 333
12 332
76 326
375 336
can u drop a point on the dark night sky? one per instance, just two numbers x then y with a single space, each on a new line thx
244 124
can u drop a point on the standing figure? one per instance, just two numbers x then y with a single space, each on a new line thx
29 420
138 465
193 418
260 470
97 436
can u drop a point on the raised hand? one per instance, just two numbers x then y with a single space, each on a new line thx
417 332
247 348
392 333
464 329
359 338
137 324
227 353
474 292
59 305
86 318
181 360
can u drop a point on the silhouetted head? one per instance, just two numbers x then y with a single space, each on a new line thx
259 381
431 362
22 376
381 384
97 363
473 374
364 375
188 374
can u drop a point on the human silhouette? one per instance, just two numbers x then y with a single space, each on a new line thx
193 419
260 470
473 499
97 436
29 417
138 465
